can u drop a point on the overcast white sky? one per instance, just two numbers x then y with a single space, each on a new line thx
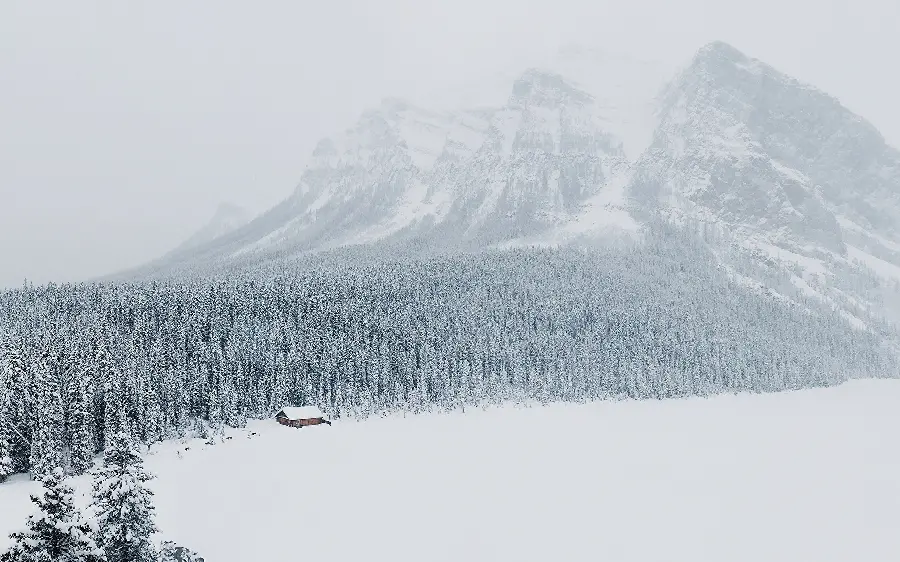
124 124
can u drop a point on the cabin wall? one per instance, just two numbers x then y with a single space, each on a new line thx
300 423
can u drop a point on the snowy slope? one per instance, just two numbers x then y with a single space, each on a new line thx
805 475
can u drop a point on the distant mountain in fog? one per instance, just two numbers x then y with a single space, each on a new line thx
780 177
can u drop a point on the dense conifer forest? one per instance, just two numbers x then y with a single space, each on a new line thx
158 359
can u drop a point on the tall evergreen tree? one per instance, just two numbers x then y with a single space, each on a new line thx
6 462
81 421
111 411
46 442
123 503
16 406
57 532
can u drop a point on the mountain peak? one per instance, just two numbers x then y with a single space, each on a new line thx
541 87
721 61
766 153
721 50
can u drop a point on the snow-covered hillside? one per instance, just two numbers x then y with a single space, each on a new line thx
805 475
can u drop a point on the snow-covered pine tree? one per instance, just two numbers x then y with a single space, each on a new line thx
109 376
6 463
57 532
214 409
152 414
123 503
81 422
16 405
46 441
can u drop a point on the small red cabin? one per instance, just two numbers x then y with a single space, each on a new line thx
301 416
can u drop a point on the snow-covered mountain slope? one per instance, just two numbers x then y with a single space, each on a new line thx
805 482
778 168
518 159
759 150
227 218
477 177
544 154
588 147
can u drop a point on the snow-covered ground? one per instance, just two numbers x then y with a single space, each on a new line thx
808 475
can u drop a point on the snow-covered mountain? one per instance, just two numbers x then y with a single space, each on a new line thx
749 146
589 146
555 150
783 170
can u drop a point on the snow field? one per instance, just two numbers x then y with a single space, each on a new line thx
807 475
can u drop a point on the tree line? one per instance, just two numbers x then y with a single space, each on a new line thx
81 363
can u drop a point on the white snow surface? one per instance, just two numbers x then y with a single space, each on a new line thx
603 214
808 265
881 267
805 475
847 224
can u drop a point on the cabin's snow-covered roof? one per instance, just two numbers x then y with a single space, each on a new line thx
302 412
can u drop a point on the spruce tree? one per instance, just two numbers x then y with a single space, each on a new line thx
123 503
6 463
152 415
109 377
57 532
15 407
46 441
81 422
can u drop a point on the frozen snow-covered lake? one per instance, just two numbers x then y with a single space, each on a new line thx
808 475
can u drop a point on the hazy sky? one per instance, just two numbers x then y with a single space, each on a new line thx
124 124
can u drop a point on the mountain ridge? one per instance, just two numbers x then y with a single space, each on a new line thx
786 172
